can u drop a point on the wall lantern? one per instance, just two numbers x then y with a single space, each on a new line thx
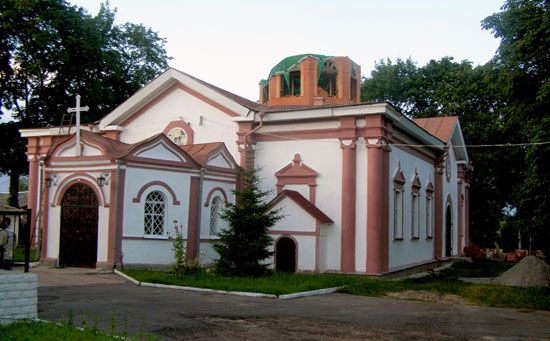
51 180
103 179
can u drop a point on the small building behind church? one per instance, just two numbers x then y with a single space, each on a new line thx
363 188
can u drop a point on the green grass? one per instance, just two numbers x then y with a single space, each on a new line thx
445 282
27 330
19 254
275 284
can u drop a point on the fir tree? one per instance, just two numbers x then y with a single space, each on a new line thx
244 245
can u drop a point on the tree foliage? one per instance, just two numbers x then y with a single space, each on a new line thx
244 246
50 51
504 101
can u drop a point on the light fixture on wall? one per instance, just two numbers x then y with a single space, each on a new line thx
51 179
103 179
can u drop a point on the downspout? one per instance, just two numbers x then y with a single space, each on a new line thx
199 222
116 227
261 114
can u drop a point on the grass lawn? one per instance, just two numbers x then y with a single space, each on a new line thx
19 254
446 282
27 330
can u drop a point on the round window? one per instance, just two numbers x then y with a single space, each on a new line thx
178 136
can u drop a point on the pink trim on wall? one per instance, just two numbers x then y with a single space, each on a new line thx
113 259
209 196
233 182
193 223
175 201
297 173
377 188
459 217
295 233
438 209
317 246
78 177
183 125
467 214
147 165
349 184
207 100
33 188
45 222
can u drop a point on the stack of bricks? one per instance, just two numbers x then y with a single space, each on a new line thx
18 296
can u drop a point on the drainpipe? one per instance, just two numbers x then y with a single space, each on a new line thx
116 227
261 114
199 215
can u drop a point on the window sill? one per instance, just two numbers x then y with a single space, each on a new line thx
398 239
429 237
161 237
415 238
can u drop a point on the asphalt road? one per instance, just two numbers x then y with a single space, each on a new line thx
109 302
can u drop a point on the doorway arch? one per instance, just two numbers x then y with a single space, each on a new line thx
448 231
78 227
285 254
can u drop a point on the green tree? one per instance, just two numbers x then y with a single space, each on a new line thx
244 246
523 27
50 51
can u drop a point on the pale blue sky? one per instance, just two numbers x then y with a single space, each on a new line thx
233 44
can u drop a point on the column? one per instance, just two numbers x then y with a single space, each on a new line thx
193 223
349 171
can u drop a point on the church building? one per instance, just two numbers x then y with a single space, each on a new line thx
362 188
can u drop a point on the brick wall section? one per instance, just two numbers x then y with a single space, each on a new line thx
309 86
18 296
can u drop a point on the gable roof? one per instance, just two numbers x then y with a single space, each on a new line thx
447 129
113 148
236 105
202 152
305 204
440 127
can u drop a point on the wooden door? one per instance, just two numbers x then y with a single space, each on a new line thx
285 255
79 216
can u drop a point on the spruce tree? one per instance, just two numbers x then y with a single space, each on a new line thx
244 246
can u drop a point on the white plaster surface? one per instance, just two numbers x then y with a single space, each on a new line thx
216 125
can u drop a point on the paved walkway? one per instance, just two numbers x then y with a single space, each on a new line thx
106 300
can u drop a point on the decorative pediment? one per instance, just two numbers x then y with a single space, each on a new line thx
399 177
296 173
415 183
159 149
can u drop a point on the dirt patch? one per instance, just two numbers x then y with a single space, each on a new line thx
286 328
428 296
529 272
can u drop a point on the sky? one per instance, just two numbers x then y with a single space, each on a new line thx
233 44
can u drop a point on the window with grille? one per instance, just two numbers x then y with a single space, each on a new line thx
215 211
155 209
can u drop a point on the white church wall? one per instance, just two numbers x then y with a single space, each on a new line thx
323 156
102 234
212 186
136 178
302 189
361 207
305 255
148 251
409 251
54 225
215 125
294 218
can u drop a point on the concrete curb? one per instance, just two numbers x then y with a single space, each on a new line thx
126 277
319 292
213 291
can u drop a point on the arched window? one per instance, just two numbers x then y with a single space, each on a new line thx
155 211
327 79
215 212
